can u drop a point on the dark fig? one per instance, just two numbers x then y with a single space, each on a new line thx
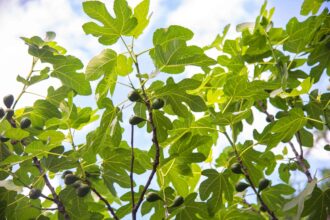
8 100
236 168
157 104
241 186
25 123
179 200
9 113
270 118
83 190
152 197
70 178
66 173
263 208
34 193
77 184
134 120
134 96
4 139
263 184
2 113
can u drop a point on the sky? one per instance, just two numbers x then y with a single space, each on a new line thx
205 18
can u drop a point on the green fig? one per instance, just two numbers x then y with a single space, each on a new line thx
134 120
241 186
152 197
270 118
70 178
2 113
157 104
8 100
236 168
66 173
83 190
263 184
34 193
179 200
25 123
134 96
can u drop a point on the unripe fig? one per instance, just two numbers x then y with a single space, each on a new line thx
25 123
134 96
236 168
8 100
263 208
134 120
263 184
270 118
158 104
66 173
9 113
3 139
70 178
77 184
179 200
241 186
34 193
2 113
152 197
83 190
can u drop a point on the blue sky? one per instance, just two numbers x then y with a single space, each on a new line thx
205 18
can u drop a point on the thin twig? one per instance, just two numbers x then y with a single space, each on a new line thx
247 177
132 168
106 203
57 200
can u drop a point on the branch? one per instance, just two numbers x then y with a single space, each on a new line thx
299 157
132 168
106 203
155 142
59 204
247 177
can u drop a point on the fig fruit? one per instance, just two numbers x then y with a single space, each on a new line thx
9 113
241 186
34 193
8 100
270 118
70 178
263 208
66 173
83 190
157 104
134 96
179 200
263 184
152 197
134 120
236 168
25 123
2 113
77 184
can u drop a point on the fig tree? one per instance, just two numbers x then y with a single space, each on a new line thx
236 168
8 100
241 186
134 96
34 193
157 104
70 178
25 123
134 120
263 184
152 197
83 190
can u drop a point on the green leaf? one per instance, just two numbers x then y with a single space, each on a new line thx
318 205
310 6
171 53
175 94
216 189
113 28
141 14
